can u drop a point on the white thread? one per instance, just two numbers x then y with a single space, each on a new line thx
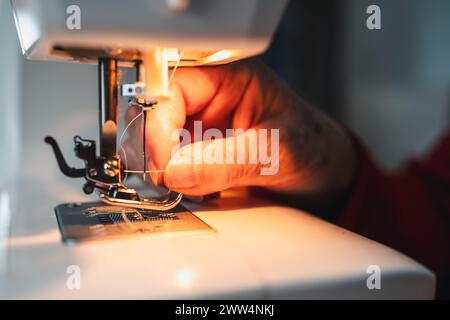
121 144
131 122
175 67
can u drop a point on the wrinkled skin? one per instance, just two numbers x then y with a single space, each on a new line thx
316 156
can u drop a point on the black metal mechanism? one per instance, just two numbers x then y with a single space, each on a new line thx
108 106
137 67
68 171
145 105
144 144
103 172
97 169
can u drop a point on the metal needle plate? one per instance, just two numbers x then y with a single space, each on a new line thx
97 221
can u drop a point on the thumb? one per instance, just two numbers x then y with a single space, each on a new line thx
209 166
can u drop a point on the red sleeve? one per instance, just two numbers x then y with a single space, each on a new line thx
408 210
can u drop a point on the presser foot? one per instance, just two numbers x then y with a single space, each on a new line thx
126 197
104 174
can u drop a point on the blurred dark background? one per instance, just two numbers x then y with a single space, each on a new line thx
303 50
391 85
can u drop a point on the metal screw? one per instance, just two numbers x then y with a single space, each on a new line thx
111 168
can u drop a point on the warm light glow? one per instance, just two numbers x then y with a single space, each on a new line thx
184 277
220 55
155 73
172 54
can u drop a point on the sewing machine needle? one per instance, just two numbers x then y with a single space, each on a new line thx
144 144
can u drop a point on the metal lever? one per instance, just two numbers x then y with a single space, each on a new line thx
63 166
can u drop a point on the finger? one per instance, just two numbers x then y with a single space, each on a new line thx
163 122
209 166
203 91
198 86
211 94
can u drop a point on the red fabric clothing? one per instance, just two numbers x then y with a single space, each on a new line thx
408 210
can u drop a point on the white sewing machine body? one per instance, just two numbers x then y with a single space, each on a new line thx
258 249
209 31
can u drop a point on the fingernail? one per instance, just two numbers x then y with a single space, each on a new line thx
180 176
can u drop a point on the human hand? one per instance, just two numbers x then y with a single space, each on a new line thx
312 157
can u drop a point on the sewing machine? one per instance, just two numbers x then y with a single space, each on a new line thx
130 245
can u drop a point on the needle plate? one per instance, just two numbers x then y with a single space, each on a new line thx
97 220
